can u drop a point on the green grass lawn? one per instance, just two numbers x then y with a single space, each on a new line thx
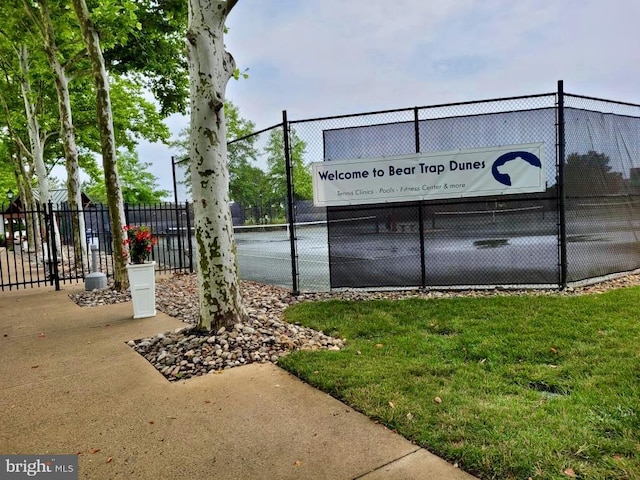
507 387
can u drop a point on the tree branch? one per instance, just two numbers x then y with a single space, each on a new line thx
36 20
47 32
14 134
44 138
52 166
4 65
80 55
48 135
20 171
230 5
11 43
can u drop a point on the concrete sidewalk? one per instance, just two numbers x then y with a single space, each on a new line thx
69 384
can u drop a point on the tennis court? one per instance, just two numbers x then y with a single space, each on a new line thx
377 248
517 247
264 254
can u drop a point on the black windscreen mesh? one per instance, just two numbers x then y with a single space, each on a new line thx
511 239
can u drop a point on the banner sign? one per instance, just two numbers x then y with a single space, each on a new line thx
475 172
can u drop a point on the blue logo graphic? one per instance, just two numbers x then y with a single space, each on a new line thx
502 160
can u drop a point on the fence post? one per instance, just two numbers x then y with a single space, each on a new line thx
175 199
51 241
561 188
290 203
423 268
189 242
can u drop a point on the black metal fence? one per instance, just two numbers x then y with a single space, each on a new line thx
33 253
23 264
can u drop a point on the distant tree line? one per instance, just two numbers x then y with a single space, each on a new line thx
258 191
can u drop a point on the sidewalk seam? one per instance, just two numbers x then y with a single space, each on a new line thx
388 463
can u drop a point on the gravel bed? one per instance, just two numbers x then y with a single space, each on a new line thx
264 337
185 352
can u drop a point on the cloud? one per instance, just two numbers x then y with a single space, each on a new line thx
317 58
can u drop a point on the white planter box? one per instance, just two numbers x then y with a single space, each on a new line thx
142 282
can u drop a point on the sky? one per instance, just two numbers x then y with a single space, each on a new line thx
329 57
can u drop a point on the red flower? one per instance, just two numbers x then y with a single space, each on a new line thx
140 243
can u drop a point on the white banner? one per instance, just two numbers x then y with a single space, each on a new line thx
475 172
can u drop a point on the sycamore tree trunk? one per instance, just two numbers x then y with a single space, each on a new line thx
107 141
36 148
33 220
68 136
36 144
210 68
37 153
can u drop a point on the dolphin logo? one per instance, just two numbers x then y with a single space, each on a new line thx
504 178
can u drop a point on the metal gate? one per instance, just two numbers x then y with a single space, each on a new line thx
38 249
24 262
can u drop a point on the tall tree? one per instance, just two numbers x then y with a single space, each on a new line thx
135 116
20 67
16 84
277 174
244 176
36 138
139 186
37 141
154 52
107 140
590 174
210 68
42 19
7 170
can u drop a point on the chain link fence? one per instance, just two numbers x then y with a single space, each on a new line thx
582 226
483 241
602 187
261 228
345 243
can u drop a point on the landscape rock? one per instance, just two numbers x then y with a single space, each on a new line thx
264 337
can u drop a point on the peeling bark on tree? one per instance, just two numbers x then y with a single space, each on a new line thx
34 235
37 150
36 143
210 68
24 180
107 141
68 136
